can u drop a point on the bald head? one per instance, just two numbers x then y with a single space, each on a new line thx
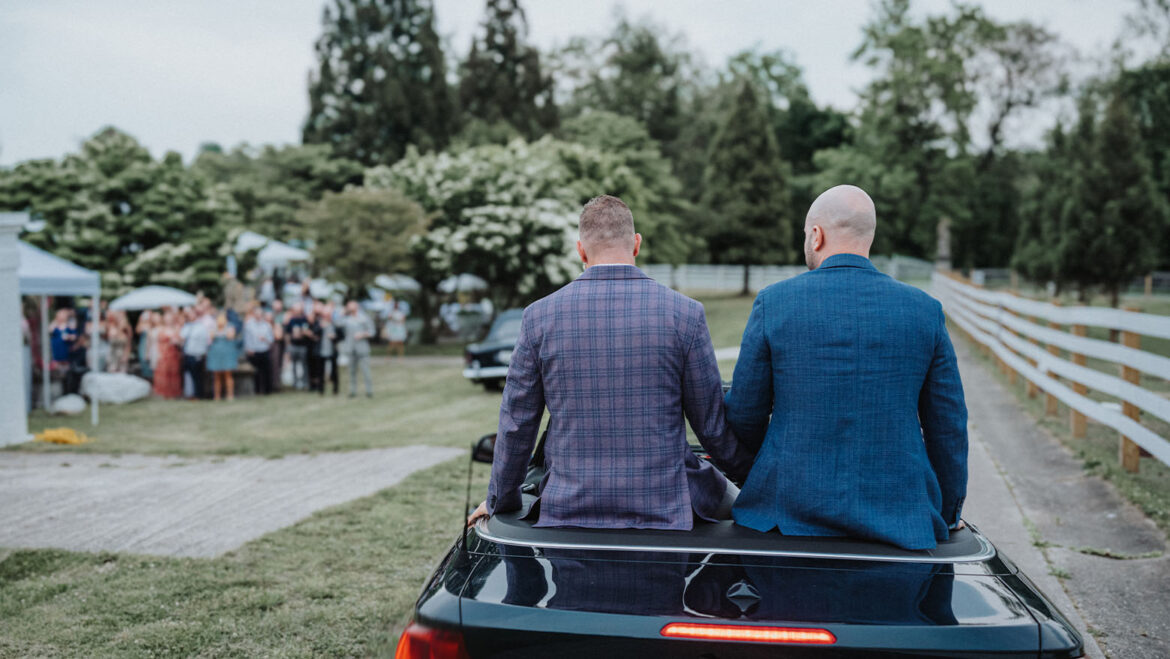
841 221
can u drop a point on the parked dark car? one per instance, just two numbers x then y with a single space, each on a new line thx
509 589
486 362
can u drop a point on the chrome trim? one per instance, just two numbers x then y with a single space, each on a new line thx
485 372
986 550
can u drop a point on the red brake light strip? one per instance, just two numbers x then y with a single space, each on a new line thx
750 634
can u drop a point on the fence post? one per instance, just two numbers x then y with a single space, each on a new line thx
1011 372
1051 404
1129 453
1149 284
1077 421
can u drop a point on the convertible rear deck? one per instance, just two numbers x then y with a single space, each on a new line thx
964 546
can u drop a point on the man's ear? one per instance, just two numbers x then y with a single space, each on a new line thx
637 243
818 237
581 253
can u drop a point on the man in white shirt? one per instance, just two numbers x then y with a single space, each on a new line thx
258 340
196 340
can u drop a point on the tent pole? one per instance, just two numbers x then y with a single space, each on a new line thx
96 314
46 383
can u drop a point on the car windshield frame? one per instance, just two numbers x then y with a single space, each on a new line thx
505 322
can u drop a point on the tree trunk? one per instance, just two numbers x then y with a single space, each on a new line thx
747 291
425 312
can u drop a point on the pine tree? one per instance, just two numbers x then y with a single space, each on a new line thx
1113 216
1044 196
501 81
1124 244
381 82
745 191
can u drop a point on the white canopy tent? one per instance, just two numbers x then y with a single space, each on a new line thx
273 253
463 282
153 297
41 273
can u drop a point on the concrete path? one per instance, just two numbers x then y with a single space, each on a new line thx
1125 600
198 507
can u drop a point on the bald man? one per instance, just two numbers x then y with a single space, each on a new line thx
847 392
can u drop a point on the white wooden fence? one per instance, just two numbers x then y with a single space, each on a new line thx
1003 324
729 278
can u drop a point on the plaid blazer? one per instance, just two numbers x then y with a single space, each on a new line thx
847 387
618 359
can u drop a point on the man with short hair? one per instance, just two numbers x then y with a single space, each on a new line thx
299 340
848 393
196 341
618 359
258 341
358 329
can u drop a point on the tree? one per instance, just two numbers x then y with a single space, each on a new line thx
112 208
501 81
919 146
508 213
659 207
269 184
745 190
802 128
638 71
1109 236
1043 197
360 233
381 81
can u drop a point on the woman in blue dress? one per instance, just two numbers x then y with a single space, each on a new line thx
222 357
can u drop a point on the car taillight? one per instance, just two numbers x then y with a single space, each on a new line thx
750 634
418 642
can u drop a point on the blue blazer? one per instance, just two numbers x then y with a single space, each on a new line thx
848 393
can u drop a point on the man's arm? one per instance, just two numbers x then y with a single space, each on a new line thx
520 413
943 415
703 404
749 403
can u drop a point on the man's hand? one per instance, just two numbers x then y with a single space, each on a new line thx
480 512
960 526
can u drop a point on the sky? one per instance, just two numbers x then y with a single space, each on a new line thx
176 74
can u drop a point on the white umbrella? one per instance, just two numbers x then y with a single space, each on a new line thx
396 282
153 297
463 282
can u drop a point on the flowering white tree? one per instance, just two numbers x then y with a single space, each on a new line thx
507 213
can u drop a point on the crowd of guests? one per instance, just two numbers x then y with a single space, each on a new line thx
302 347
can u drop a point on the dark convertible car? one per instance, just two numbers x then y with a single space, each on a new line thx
486 362
508 589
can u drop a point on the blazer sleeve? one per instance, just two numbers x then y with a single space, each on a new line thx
520 413
943 415
703 403
749 403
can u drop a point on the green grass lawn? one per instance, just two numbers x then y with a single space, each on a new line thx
727 316
415 402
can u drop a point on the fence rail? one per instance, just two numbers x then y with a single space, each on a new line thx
1001 323
729 278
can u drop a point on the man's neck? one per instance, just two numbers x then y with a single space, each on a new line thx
863 253
611 260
